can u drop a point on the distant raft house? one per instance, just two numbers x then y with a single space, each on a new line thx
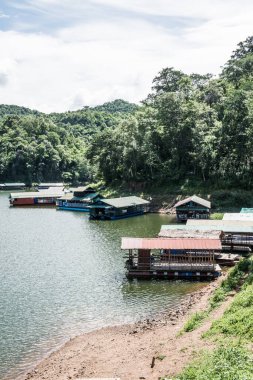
78 199
175 231
192 208
13 186
118 208
187 258
45 186
46 197
238 234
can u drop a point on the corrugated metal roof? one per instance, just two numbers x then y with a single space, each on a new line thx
125 201
238 216
196 199
80 189
51 190
86 197
51 184
190 234
38 194
14 184
225 228
220 223
159 243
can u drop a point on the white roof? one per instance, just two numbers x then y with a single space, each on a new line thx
238 216
196 199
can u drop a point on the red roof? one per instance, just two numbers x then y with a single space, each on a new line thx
158 243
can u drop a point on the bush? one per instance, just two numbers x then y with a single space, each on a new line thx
231 199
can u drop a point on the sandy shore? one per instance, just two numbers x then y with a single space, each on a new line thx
127 351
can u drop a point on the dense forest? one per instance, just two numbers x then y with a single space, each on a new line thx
189 127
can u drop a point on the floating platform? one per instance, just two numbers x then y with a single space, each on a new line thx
176 272
172 258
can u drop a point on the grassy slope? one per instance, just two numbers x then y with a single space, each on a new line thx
232 359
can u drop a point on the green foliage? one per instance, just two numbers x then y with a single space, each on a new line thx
118 105
225 363
238 319
217 216
194 321
8 110
227 199
33 149
236 277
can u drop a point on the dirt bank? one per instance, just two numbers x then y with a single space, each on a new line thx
127 351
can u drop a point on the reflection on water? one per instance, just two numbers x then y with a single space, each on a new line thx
62 275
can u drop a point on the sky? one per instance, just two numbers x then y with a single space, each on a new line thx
60 55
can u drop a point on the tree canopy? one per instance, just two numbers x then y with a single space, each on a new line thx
189 126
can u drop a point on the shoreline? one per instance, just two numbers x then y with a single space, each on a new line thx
123 351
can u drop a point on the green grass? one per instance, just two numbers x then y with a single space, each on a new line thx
234 280
241 273
237 321
194 321
216 216
224 363
231 360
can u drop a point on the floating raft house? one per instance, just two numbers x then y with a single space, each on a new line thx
237 233
13 186
171 258
192 208
37 198
79 199
118 208
44 186
172 232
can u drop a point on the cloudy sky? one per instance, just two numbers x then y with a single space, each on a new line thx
59 55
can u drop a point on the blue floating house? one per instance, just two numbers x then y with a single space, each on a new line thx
79 199
118 208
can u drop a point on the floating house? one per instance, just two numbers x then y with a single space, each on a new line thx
192 208
237 234
13 186
45 186
171 258
37 198
222 258
118 208
78 199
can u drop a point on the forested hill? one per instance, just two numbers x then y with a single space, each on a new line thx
7 110
189 127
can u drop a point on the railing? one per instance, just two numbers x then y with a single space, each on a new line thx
75 205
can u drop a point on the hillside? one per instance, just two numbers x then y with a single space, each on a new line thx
192 131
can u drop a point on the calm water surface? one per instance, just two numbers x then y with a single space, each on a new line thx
62 275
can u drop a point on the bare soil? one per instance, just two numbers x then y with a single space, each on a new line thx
127 351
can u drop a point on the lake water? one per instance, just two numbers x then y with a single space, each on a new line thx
62 275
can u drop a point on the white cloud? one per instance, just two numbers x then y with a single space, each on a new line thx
97 61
